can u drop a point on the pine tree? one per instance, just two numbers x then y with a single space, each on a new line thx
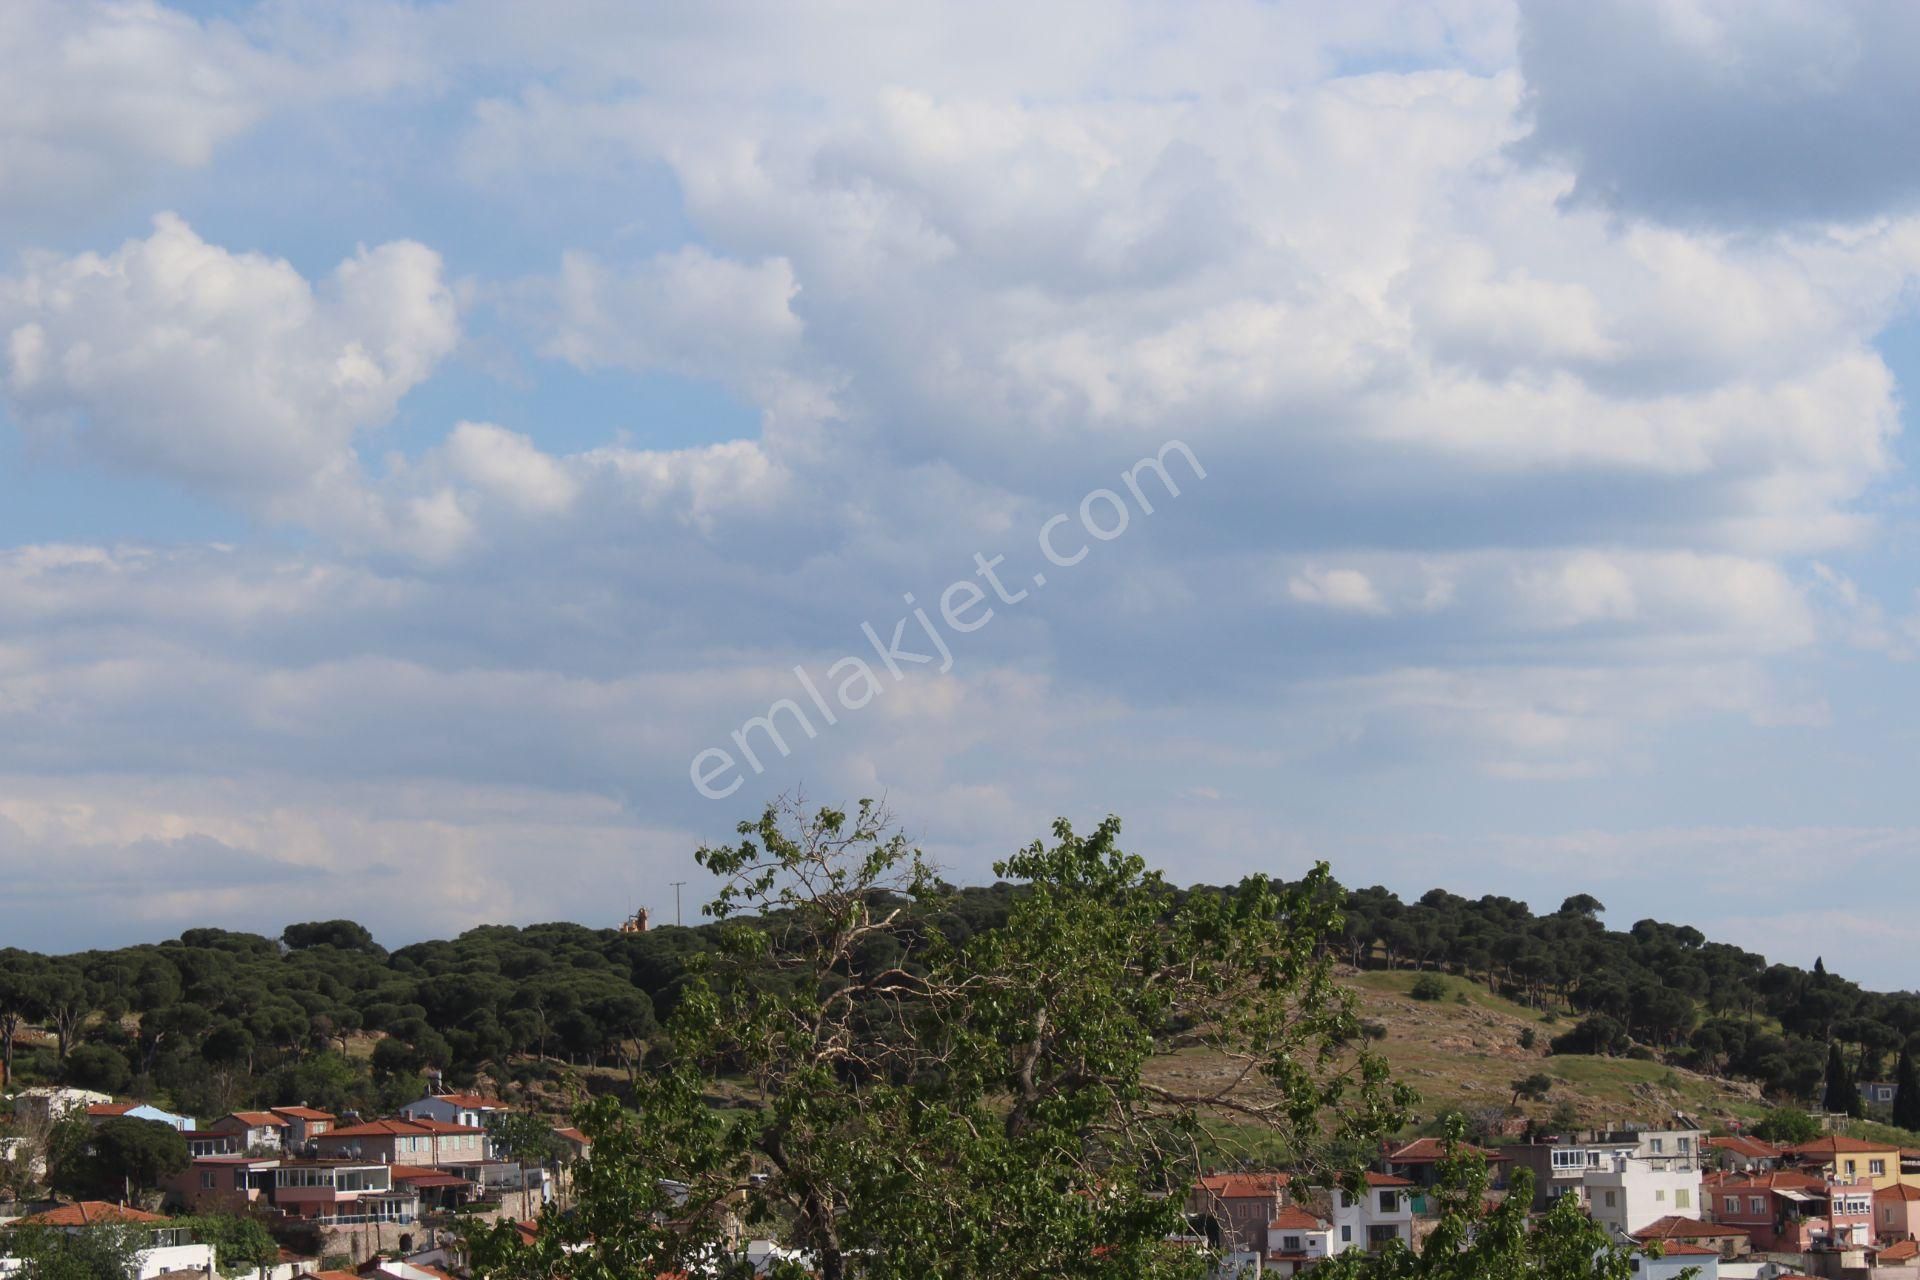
1842 1095
1906 1098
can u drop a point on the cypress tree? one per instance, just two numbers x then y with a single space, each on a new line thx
1906 1098
1843 1095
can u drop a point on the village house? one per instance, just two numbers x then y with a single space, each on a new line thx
415 1142
1372 1218
343 1191
1296 1240
168 1251
252 1130
1846 1159
470 1109
1677 1259
304 1124
1744 1153
1896 1216
1233 1210
43 1104
1418 1162
220 1183
1722 1238
1560 1165
1631 1192
1793 1211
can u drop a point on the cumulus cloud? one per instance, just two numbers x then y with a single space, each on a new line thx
225 372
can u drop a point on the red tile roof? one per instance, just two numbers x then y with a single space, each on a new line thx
253 1120
1742 1145
1899 1251
1296 1220
403 1128
111 1108
1673 1227
1385 1180
1899 1191
1236 1186
1431 1150
303 1113
87 1212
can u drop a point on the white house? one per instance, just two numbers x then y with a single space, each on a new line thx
1631 1192
1677 1257
1373 1218
1296 1240
471 1109
42 1103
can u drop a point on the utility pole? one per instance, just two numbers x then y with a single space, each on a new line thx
676 900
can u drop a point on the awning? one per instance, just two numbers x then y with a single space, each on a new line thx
1788 1194
438 1180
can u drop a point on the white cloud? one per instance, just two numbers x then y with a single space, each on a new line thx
1343 589
225 372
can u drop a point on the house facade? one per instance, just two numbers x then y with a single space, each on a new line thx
414 1142
1296 1240
1233 1209
1896 1215
1373 1217
1847 1159
221 1183
1791 1211
1632 1192
304 1124
470 1109
252 1130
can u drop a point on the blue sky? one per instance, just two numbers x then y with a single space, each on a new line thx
425 428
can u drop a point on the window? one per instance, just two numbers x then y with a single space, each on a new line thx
1659 1145
1290 1244
1756 1205
206 1179
1346 1235
1733 1204
1660 1195
1686 1145
1610 1202
1850 1167
1876 1167
1389 1201
1346 1201
1683 1199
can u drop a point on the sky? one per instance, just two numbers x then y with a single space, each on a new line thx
432 434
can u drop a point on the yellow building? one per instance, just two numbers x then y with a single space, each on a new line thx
1849 1159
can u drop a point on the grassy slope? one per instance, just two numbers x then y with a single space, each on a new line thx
1466 1054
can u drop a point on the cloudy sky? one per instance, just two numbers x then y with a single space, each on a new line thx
424 429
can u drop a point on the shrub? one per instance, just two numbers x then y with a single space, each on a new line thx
1428 987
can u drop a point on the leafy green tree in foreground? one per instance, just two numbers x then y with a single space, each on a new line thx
1478 1241
241 1246
109 1251
978 1109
